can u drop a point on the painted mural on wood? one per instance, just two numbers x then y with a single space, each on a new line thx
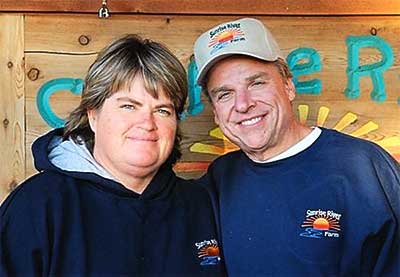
311 63
346 71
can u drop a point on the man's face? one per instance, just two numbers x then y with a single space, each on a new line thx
252 104
134 132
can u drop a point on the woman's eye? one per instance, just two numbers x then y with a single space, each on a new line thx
164 112
127 107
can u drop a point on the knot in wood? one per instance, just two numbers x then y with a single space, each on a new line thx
6 122
33 74
84 40
12 185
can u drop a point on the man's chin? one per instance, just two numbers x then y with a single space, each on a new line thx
253 148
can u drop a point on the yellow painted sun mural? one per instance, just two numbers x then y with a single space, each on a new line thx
390 144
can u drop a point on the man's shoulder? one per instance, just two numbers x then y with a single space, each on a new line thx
345 143
228 158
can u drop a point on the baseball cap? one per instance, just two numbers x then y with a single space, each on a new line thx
246 36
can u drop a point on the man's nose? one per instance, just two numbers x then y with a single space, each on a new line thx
243 101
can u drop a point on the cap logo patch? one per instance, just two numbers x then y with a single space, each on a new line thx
224 36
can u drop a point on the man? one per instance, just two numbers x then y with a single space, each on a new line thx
294 200
106 201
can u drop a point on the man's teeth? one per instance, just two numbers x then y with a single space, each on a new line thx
251 121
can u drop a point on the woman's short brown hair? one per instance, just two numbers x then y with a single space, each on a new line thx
114 68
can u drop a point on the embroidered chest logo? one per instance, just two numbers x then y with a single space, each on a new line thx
208 252
224 36
319 224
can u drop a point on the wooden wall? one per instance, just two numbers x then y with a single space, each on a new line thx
12 103
38 47
211 7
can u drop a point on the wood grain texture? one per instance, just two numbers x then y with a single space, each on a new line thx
12 123
52 46
238 7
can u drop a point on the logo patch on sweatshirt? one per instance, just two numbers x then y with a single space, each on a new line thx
320 223
208 252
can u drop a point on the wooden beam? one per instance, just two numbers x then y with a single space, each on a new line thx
234 7
12 97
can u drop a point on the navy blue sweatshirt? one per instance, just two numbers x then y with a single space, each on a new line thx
78 223
330 210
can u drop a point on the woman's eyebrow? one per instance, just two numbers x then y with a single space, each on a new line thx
128 99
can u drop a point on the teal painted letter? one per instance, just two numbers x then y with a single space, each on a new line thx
375 70
51 87
312 65
195 105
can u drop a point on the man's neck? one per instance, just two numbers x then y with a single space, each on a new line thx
291 137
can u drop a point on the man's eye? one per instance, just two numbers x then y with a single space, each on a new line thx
257 84
224 95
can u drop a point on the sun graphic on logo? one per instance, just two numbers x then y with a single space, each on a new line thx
321 223
389 143
209 251
225 36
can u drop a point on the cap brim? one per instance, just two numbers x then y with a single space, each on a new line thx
209 64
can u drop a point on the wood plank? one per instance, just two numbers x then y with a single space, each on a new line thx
52 47
50 67
12 124
238 7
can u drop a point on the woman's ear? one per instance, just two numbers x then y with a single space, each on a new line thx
92 118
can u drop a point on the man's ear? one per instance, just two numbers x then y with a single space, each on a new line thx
290 89
92 118
216 119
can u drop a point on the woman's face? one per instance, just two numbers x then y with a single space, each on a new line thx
134 133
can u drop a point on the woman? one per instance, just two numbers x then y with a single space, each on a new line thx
106 200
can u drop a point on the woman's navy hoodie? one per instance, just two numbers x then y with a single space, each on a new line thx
73 219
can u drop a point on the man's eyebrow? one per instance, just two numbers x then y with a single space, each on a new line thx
257 75
218 89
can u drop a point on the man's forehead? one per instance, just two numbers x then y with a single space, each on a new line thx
246 76
240 61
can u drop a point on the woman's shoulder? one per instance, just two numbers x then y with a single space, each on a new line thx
192 190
